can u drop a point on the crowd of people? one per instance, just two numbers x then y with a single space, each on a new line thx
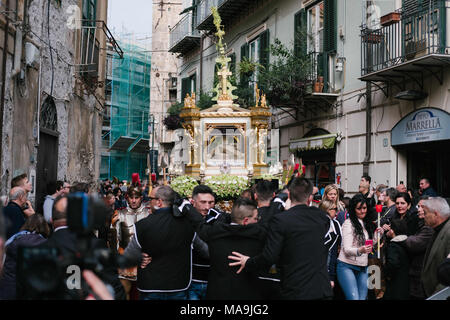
300 242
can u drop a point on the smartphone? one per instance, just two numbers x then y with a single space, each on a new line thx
369 243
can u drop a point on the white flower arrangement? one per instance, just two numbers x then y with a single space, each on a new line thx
184 185
227 187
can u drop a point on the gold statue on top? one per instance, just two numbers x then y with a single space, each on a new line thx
224 89
189 101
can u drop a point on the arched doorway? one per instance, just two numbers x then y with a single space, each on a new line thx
47 159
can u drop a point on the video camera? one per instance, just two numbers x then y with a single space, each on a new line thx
47 272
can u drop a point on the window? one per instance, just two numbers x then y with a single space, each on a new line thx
188 85
89 9
315 29
254 57
89 44
257 50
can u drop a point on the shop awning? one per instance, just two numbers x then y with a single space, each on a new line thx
322 142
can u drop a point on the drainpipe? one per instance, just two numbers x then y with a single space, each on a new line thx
19 45
368 128
201 64
3 93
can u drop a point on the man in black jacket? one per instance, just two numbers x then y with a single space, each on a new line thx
167 240
244 233
296 244
203 200
270 279
68 244
13 212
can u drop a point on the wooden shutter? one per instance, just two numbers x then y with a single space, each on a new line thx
300 30
330 26
232 68
216 77
244 78
185 87
264 48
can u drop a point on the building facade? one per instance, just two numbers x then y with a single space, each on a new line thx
366 58
164 82
52 91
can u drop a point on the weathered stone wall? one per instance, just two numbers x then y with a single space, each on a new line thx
78 120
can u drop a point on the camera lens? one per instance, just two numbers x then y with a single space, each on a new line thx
44 276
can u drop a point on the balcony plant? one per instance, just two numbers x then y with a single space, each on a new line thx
172 122
390 18
286 80
184 185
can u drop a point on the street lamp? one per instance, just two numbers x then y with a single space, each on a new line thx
152 122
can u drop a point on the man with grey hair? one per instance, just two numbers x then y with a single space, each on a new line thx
13 212
436 215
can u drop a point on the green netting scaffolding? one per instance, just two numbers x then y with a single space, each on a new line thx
128 138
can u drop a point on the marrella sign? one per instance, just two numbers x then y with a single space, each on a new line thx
422 125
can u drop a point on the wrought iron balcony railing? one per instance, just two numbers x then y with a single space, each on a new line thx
230 11
414 35
184 36
204 9
88 48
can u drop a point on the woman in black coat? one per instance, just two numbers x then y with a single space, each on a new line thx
397 262
34 232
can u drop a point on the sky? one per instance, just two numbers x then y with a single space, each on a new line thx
130 16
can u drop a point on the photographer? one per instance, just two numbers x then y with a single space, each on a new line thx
70 245
33 233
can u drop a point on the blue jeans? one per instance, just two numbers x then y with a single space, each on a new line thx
197 291
353 280
180 295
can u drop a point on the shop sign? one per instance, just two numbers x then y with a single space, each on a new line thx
422 125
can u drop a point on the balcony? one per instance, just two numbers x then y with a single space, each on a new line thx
88 49
229 10
183 36
407 49
319 95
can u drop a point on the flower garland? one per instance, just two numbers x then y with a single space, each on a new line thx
184 185
227 187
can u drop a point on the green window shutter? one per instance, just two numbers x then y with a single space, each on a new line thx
185 87
232 68
330 26
300 33
216 77
244 78
264 48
